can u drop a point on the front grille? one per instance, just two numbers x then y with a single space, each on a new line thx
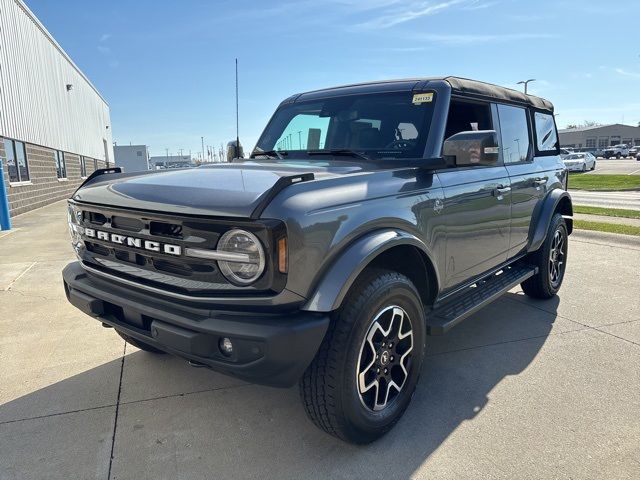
163 270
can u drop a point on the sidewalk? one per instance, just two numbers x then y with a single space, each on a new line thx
635 222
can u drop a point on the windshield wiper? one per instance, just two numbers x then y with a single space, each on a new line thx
339 151
270 153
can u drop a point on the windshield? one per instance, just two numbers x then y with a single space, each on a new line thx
378 126
574 157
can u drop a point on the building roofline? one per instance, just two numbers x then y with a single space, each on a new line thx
53 41
595 127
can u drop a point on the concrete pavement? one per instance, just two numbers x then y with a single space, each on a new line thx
523 389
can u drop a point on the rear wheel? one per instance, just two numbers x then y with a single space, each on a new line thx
367 368
584 167
139 344
551 260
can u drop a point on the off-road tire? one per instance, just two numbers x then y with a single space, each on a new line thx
329 388
139 344
540 285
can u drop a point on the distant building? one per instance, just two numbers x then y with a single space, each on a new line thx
55 128
171 161
132 158
600 136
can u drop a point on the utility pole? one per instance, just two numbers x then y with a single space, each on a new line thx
526 83
202 139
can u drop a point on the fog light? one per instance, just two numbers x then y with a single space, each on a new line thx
226 347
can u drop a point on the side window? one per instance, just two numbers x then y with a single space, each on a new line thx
546 136
514 130
466 116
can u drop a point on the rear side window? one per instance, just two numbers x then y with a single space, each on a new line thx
514 129
546 136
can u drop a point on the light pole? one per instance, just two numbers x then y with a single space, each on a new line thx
526 83
202 139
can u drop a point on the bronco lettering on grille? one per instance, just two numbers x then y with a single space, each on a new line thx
150 245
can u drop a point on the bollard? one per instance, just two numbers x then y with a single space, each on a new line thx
5 217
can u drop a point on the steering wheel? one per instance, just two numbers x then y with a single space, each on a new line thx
401 144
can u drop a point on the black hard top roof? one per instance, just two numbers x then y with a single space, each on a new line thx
462 86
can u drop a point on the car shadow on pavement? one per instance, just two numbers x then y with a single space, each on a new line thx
211 424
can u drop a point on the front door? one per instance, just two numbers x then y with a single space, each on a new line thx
477 204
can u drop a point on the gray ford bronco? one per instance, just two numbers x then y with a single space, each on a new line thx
367 217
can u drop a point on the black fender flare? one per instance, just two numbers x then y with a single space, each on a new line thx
543 214
336 281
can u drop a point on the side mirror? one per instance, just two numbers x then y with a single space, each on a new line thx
472 148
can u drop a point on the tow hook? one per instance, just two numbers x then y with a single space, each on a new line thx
195 364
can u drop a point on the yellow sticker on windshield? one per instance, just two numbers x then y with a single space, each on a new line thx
419 98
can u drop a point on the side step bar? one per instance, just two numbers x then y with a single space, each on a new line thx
448 314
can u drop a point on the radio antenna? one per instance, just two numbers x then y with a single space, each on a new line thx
237 115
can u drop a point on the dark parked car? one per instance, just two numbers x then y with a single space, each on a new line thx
367 217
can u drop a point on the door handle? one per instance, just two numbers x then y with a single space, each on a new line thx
500 190
539 181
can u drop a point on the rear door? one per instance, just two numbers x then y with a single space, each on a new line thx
526 176
477 204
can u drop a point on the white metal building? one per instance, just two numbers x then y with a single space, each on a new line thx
131 158
54 125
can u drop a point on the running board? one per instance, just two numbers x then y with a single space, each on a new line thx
448 314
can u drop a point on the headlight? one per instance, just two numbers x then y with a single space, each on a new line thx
240 257
75 229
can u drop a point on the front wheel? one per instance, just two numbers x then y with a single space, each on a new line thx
593 167
367 368
551 260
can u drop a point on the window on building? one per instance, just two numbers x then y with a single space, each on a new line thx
83 166
16 161
627 141
546 135
615 140
603 142
514 130
61 166
591 142
637 142
139 153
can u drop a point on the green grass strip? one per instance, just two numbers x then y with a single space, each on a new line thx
606 227
609 212
604 182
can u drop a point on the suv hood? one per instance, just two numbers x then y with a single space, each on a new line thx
228 190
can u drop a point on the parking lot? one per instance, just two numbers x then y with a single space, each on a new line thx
523 389
624 166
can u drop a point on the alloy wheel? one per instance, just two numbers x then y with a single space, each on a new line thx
557 258
385 358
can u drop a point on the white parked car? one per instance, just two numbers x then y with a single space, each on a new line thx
579 162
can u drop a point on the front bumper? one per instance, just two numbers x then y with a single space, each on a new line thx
270 349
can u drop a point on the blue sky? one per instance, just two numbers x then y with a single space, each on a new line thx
167 68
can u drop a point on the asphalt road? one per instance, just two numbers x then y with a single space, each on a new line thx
523 389
630 200
626 166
